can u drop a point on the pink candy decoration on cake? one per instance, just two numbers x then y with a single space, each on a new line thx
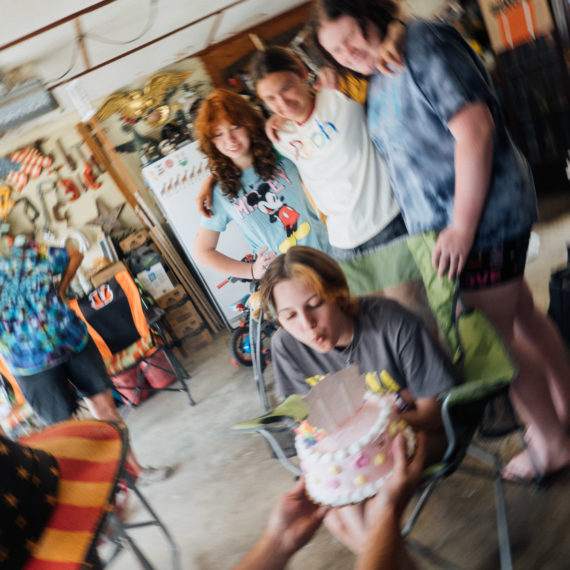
361 461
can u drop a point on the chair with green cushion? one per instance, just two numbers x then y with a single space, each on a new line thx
280 421
488 371
474 346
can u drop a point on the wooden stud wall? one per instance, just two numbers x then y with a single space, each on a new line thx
220 56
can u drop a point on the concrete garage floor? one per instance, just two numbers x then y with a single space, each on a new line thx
217 503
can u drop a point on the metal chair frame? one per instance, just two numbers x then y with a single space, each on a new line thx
179 371
117 532
255 329
459 437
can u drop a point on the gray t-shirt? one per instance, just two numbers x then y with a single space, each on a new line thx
408 113
387 337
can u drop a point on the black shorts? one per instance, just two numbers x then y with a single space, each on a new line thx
496 265
54 393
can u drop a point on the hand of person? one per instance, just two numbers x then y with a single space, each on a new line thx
262 261
398 489
204 198
327 79
352 524
451 251
294 519
391 48
272 126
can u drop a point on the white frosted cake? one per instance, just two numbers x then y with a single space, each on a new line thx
344 446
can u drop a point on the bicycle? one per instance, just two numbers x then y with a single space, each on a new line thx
240 343
250 342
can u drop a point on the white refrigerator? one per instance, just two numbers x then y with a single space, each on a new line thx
174 182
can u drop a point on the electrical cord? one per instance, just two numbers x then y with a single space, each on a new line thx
151 18
70 67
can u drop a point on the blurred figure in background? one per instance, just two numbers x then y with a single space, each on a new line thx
45 344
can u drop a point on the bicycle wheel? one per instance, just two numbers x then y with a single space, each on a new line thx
239 346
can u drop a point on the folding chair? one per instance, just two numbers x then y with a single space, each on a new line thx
488 371
138 360
276 423
90 457
473 344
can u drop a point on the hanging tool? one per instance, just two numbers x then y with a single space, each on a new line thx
58 215
89 175
6 202
30 211
72 164
68 158
44 188
68 184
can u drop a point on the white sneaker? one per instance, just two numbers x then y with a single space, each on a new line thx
150 475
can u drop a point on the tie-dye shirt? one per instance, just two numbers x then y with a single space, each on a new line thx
37 330
408 113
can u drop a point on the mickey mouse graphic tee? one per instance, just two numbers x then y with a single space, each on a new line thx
274 213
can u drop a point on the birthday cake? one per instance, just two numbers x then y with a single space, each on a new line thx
344 446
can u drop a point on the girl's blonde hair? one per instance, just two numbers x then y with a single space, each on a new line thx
225 105
314 268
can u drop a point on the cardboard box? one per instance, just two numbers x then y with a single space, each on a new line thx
171 298
107 273
155 280
181 312
134 240
193 344
183 320
516 22
186 328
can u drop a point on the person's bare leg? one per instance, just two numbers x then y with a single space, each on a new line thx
102 406
530 392
535 328
548 445
499 304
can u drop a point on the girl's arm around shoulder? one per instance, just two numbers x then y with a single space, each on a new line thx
204 198
272 128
